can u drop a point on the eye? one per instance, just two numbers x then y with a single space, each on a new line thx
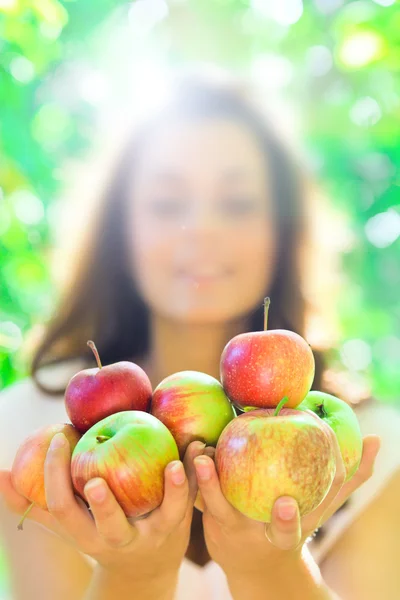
167 206
239 205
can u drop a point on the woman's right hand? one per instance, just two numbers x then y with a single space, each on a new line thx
153 546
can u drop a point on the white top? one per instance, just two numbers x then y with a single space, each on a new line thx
24 408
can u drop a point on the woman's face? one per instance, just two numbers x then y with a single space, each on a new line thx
200 222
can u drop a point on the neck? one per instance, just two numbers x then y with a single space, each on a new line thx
177 346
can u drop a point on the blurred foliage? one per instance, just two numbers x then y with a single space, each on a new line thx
337 61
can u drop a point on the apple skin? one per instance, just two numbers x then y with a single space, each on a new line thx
260 457
27 472
93 394
343 420
132 460
194 406
260 368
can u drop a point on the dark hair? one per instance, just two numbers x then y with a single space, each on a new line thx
103 303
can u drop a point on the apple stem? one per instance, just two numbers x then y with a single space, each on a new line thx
321 412
92 346
20 524
281 403
267 302
102 438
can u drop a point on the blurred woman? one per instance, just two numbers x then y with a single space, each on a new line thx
205 215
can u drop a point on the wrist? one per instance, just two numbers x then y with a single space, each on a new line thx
135 582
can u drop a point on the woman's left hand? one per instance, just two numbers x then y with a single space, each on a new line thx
239 544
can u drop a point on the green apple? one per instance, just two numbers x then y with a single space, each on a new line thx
343 420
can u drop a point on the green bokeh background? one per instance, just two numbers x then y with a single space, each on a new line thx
337 61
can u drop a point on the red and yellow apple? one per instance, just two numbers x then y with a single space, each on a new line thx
194 406
259 368
27 472
260 457
130 450
93 394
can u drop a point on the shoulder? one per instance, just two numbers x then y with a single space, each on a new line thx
25 408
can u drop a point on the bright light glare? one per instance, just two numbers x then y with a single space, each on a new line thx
365 112
8 5
94 87
356 355
271 71
383 229
361 48
284 12
145 14
150 88
384 2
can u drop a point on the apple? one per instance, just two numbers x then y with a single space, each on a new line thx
262 455
343 420
27 471
194 406
93 394
130 450
259 368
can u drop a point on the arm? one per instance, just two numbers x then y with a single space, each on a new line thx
365 560
107 585
300 579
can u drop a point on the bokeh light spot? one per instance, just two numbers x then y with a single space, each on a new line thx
383 229
356 354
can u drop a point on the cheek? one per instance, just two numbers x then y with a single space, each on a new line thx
151 249
253 250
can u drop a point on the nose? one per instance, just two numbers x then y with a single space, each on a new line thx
200 220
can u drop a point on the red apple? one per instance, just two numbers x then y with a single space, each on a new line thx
194 406
259 368
27 472
93 394
130 450
260 457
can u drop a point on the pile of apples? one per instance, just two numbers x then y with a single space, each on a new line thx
124 432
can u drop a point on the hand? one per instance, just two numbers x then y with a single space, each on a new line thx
154 545
239 544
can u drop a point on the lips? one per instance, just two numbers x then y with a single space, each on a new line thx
202 275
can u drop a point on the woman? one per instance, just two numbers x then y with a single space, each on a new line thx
203 217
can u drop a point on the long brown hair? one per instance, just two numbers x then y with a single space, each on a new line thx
102 301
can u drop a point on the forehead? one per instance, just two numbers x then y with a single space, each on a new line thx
203 148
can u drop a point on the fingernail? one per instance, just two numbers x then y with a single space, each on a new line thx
200 446
286 510
177 472
58 441
95 490
202 468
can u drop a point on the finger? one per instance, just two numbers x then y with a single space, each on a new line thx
173 508
60 498
18 505
199 502
371 446
213 498
313 520
111 522
284 531
194 449
209 451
